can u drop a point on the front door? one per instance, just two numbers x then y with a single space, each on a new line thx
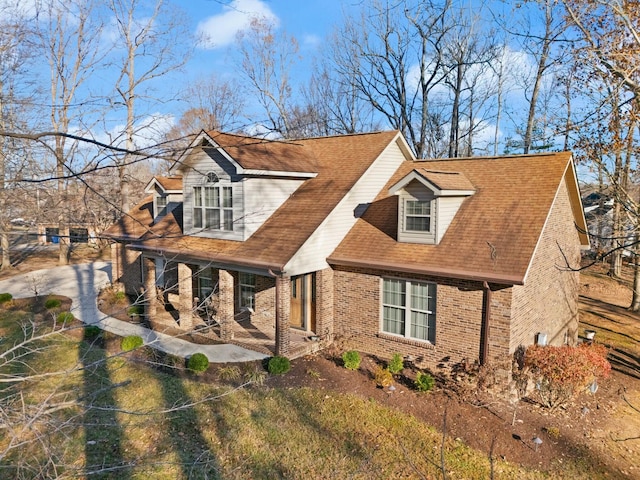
303 302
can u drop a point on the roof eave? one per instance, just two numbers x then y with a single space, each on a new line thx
434 271
218 259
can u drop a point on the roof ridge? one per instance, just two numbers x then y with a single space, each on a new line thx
494 157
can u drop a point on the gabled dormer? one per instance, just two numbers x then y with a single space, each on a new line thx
427 202
167 195
234 183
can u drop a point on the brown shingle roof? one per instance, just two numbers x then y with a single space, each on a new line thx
493 235
446 180
262 154
340 161
170 183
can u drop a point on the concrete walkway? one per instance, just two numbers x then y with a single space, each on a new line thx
82 282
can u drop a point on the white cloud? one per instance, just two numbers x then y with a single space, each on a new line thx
220 30
311 40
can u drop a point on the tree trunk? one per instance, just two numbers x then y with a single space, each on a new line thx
6 252
635 300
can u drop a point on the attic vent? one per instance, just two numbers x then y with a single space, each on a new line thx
211 177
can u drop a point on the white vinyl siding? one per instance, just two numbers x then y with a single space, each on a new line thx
332 230
417 214
214 213
409 309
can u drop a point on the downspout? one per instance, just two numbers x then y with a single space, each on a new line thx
484 329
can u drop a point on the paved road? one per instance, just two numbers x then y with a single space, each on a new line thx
82 282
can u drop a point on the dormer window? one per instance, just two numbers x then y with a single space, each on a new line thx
417 216
213 208
161 205
427 202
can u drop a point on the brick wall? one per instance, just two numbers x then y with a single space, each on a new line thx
548 301
459 306
127 268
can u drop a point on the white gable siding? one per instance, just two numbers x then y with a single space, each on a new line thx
313 254
200 163
447 209
263 196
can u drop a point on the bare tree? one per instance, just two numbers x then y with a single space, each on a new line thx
392 55
151 38
69 33
266 59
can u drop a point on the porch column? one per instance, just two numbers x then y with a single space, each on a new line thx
226 310
150 294
283 311
185 288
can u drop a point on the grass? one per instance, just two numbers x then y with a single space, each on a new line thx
142 423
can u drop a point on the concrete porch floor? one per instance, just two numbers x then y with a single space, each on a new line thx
247 333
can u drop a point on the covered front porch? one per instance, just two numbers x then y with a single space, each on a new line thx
268 313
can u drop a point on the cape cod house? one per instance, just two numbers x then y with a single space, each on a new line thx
288 246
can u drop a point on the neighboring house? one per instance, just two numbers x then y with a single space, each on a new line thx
290 246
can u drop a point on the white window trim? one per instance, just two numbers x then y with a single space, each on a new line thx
251 286
221 208
431 216
407 310
156 206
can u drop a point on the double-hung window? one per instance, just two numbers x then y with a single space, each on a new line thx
213 208
247 290
409 309
417 216
161 205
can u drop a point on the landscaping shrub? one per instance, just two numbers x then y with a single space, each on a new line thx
198 363
230 373
64 317
135 310
396 364
130 343
119 296
562 372
5 297
351 360
279 365
51 303
253 374
382 377
424 382
91 332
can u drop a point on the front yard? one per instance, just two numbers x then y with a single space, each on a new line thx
95 412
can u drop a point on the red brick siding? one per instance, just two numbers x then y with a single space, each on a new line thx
127 268
325 306
548 301
459 306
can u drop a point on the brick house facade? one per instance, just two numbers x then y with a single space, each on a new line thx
288 248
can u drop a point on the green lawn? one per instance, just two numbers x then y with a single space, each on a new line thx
108 416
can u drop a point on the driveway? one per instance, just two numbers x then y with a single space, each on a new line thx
82 282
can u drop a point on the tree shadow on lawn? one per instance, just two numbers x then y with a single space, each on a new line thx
184 433
104 457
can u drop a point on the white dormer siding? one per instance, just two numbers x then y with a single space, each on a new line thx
425 210
202 164
416 192
255 197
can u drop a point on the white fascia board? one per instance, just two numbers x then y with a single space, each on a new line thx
414 175
276 173
149 188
